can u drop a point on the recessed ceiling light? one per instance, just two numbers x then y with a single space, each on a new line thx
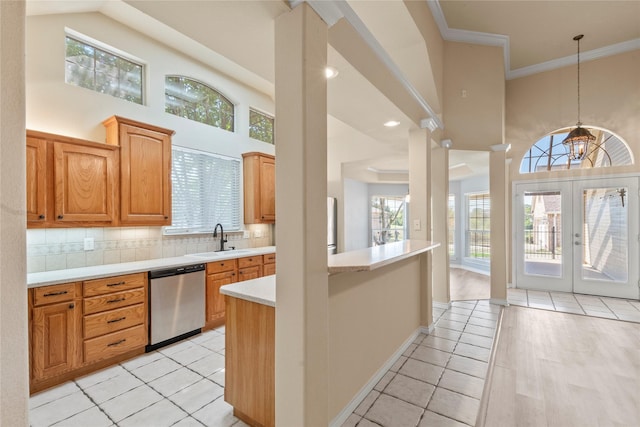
330 72
392 123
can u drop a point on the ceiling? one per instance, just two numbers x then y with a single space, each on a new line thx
536 34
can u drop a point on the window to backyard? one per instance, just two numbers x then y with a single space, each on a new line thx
261 126
97 69
478 226
387 219
451 223
196 101
205 191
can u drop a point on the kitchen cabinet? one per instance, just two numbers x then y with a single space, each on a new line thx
115 316
36 180
70 182
76 328
219 273
269 264
55 325
259 172
249 268
145 171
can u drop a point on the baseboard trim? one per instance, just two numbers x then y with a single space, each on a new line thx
442 305
499 301
366 389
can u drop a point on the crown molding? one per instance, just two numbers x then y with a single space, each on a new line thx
589 55
488 39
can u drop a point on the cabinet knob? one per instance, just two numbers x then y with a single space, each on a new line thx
41 217
71 305
60 216
166 217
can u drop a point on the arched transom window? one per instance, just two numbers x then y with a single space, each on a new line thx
196 101
548 153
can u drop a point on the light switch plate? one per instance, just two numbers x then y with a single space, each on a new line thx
88 244
416 225
246 234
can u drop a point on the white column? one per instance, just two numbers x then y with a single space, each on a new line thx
301 227
440 195
498 190
14 353
420 212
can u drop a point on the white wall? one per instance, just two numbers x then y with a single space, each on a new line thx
356 215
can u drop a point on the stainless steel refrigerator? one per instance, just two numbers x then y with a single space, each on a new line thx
332 225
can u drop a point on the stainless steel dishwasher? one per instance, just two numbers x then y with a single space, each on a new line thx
177 304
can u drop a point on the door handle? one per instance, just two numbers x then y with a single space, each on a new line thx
577 243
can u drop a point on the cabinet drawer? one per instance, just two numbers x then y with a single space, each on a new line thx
54 293
115 343
113 320
269 258
113 284
220 266
249 273
114 300
249 261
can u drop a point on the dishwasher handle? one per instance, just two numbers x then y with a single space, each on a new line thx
156 274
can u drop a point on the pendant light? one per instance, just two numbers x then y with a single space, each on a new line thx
577 142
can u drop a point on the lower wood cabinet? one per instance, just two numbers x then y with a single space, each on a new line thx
56 322
75 328
229 271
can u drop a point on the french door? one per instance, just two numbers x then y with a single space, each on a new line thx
578 236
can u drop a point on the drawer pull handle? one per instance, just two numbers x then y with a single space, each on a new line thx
53 294
117 342
116 284
115 300
119 319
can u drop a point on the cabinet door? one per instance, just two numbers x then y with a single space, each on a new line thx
145 176
54 330
249 273
84 179
267 189
215 301
269 269
36 180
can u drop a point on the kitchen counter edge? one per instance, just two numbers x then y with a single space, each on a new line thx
55 277
261 290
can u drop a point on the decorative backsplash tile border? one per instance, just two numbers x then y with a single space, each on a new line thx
61 248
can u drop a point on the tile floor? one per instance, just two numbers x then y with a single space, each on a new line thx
610 308
439 379
179 385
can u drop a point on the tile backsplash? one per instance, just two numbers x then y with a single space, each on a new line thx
62 248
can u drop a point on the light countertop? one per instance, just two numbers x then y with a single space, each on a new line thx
95 272
368 259
261 290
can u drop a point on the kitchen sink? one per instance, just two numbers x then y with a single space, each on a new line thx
219 253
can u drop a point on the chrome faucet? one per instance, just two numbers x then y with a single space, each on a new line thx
222 239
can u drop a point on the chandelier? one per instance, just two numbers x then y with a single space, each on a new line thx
577 142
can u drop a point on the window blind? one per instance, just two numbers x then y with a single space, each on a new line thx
205 191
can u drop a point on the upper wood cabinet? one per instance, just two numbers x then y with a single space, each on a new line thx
70 182
36 180
145 171
259 188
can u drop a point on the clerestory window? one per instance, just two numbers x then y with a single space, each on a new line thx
102 71
196 101
261 126
548 153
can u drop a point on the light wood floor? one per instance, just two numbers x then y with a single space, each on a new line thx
467 285
558 369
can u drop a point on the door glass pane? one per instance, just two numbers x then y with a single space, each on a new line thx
543 233
605 237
